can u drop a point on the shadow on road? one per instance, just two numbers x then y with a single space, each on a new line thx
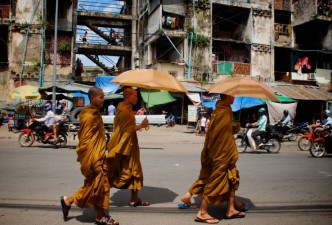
153 195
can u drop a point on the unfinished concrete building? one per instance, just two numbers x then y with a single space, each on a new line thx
202 40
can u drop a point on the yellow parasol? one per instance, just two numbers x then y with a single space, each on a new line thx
240 86
149 79
25 92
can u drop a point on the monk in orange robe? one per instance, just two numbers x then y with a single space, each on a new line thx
123 159
92 157
218 179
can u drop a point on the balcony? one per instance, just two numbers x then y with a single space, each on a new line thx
231 68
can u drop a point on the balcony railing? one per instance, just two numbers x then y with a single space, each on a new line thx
230 68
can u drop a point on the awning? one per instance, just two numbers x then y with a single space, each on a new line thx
104 83
301 92
194 98
282 99
245 102
67 88
156 97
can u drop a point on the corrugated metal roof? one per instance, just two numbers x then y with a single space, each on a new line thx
192 86
301 92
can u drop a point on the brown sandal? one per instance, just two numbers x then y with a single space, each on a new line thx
139 203
107 221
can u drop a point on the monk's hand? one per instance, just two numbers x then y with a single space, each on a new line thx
145 124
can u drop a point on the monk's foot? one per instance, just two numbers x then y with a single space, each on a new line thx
206 218
234 214
186 198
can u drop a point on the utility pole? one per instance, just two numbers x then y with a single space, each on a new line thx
55 42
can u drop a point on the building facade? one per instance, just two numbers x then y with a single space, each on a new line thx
202 40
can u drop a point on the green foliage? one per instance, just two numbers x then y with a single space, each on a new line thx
64 46
201 41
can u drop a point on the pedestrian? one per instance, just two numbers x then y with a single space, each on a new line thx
218 179
141 111
123 159
202 121
111 109
170 120
85 37
91 155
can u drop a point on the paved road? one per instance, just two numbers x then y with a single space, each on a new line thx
290 187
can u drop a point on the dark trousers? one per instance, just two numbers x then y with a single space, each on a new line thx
255 135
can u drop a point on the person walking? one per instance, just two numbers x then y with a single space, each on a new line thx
85 37
91 155
219 178
123 159
111 109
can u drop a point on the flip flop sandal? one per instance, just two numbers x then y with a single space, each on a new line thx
139 203
107 221
210 220
187 206
235 216
65 208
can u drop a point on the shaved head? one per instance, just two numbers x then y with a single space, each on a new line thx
93 92
128 91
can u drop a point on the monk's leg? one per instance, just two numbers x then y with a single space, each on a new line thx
203 215
134 196
231 211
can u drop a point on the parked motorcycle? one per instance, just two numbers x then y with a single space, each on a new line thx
36 132
271 140
322 145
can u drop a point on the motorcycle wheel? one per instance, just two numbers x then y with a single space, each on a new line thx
304 144
26 140
317 149
273 146
62 141
241 144
292 137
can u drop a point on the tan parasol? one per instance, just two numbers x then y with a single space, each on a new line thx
240 86
149 79
25 92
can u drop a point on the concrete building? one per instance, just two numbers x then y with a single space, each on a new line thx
202 40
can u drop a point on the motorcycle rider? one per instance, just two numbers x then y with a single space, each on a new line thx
286 122
261 123
48 119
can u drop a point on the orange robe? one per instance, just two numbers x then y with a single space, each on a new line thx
218 178
91 154
123 159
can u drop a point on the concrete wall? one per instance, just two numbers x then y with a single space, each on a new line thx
171 68
304 10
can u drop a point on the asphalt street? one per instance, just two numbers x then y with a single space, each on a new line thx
289 187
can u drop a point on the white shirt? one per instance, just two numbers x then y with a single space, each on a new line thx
48 119
203 121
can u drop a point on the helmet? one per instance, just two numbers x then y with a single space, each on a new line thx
48 106
262 111
286 112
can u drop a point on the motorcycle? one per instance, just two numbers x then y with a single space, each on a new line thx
271 140
37 132
306 140
292 133
322 145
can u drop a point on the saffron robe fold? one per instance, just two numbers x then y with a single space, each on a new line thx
218 178
91 155
123 158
